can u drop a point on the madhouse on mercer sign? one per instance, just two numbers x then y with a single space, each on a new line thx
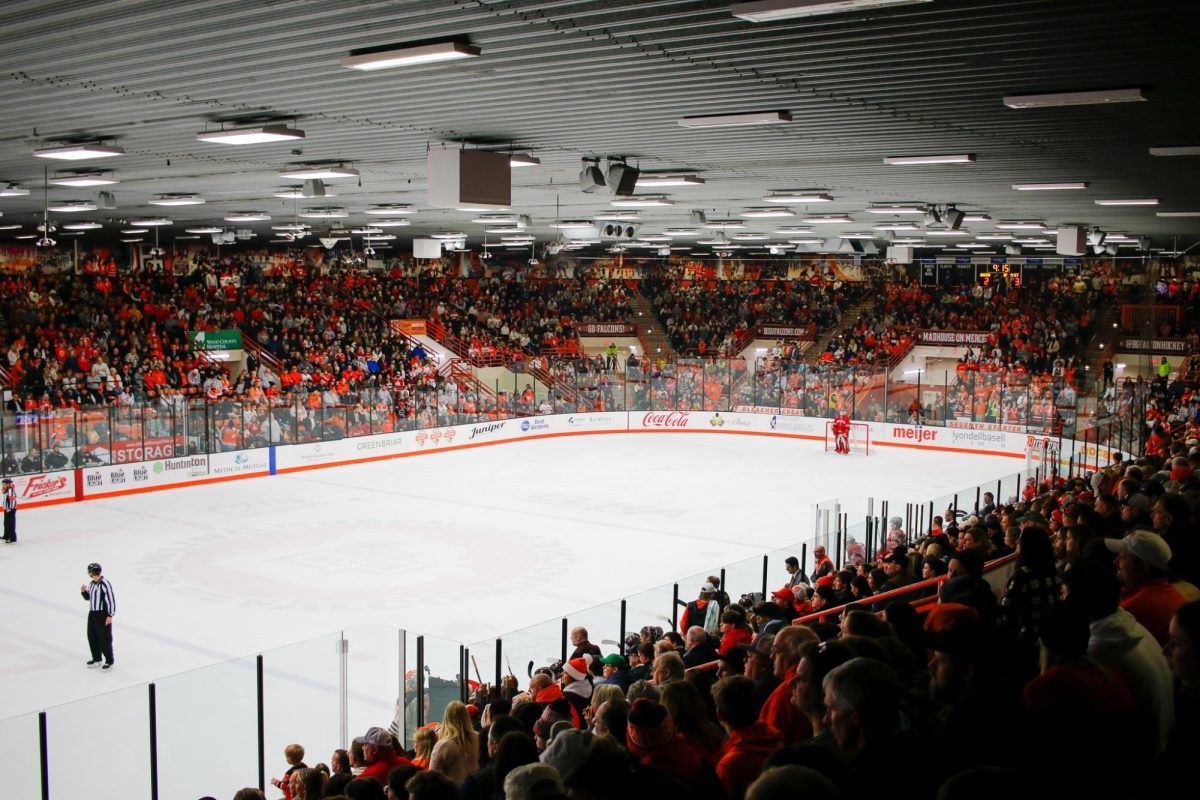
914 434
668 419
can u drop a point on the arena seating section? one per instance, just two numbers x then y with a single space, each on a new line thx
899 672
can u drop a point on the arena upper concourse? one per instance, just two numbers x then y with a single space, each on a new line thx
529 400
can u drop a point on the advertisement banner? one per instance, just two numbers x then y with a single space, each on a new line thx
1130 344
605 329
216 340
772 331
241 462
44 489
960 338
598 421
130 450
122 478
409 327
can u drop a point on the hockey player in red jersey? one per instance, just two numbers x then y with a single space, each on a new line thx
841 433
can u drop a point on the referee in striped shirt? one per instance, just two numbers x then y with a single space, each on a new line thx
102 605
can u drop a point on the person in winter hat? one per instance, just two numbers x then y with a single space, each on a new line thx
567 751
576 681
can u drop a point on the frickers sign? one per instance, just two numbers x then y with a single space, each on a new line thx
37 489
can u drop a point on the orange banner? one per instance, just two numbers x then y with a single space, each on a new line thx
412 327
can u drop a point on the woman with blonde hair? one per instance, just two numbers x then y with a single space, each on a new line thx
456 754
602 693
424 741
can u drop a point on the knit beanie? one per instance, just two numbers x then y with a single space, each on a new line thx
568 751
650 727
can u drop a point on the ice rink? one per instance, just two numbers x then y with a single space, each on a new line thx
466 545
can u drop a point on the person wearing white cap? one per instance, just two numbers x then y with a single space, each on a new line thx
1146 593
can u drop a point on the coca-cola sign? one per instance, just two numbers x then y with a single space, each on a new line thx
665 419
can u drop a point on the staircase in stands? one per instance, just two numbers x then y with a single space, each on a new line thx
650 330
850 318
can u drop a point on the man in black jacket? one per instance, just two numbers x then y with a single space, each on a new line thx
699 649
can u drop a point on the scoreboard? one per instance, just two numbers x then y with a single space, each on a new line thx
1016 272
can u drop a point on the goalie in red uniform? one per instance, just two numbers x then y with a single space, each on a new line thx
841 433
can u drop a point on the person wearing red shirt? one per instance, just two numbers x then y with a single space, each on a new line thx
379 754
750 741
1142 559
778 711
734 631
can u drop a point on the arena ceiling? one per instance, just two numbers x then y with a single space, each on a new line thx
561 80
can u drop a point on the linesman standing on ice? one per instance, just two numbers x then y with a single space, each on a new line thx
10 512
102 605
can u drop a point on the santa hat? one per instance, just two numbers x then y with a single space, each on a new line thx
577 668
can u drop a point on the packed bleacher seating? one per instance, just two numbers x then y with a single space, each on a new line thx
1010 642
710 317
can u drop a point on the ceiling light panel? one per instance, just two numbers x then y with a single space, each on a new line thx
523 160
319 173
654 181
390 209
643 201
764 213
913 161
71 206
259 134
247 216
798 198
1184 150
150 222
1049 187
896 209
774 10
1145 201
177 200
410 56
1177 214
1057 99
83 179
79 152
831 219
736 120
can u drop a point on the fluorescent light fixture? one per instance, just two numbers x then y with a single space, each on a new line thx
642 201
13 190
946 233
506 229
258 134
764 213
736 120
573 225
1184 150
1048 187
1019 226
26 236
523 160
320 173
724 224
1056 99
974 246
367 231
654 238
908 241
247 216
798 198
150 222
993 237
461 235
913 161
391 223
82 226
791 230
410 56
498 219
681 232
751 237
619 216
652 180
390 209
133 231
133 240
1177 214
895 226
976 217
772 10
71 206
297 193
1147 201
83 179
856 236
204 229
807 241
79 152
898 209
831 219
180 199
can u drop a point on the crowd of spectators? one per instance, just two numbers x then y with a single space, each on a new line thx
1005 649
711 318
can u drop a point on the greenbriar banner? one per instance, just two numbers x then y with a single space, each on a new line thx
216 340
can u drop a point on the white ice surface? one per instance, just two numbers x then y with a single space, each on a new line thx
465 545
